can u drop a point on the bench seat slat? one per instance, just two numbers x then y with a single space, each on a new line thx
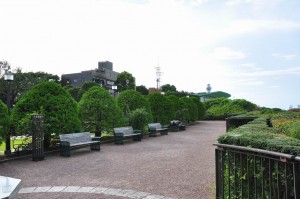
125 132
157 127
77 139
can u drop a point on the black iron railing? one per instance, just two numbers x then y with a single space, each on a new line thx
243 172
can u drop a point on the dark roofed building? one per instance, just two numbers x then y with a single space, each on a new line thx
103 75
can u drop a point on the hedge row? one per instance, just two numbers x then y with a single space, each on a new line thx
257 134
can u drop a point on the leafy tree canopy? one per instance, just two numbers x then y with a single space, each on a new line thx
24 82
125 81
98 111
50 99
217 94
130 100
168 88
161 108
85 87
142 89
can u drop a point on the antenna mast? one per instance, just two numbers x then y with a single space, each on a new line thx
158 75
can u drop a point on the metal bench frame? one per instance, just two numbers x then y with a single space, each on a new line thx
68 141
121 133
154 128
176 125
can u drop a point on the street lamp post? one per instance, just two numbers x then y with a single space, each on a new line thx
127 82
8 77
115 89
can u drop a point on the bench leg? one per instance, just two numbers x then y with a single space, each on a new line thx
65 151
165 132
119 140
137 137
95 146
182 128
152 133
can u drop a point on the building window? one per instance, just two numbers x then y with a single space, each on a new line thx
75 80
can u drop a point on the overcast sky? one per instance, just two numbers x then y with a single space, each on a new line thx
248 48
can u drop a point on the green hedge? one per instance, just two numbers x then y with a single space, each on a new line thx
257 134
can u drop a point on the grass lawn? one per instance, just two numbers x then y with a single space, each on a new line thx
16 142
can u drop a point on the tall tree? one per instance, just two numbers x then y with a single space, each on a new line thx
125 81
168 88
142 89
23 82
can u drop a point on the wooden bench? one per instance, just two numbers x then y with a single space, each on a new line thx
154 128
67 141
176 125
121 133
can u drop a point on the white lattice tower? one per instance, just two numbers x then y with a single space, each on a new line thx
158 77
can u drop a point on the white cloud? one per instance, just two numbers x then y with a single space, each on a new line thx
268 73
248 82
285 56
258 26
225 53
251 66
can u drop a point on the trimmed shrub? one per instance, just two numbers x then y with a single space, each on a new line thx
85 87
191 107
200 107
55 103
130 100
138 119
161 108
221 108
246 105
294 130
98 111
179 108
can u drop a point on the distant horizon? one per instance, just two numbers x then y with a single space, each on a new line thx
248 48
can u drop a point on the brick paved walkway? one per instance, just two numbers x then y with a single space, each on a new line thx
178 165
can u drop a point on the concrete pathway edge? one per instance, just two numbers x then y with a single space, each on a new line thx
127 193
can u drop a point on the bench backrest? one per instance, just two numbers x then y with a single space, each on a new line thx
74 138
124 130
154 126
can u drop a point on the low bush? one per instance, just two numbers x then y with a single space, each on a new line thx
138 119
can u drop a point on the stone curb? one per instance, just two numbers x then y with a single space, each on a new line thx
127 193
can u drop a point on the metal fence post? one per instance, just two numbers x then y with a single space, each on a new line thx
297 179
37 137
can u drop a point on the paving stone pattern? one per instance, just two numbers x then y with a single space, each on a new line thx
178 166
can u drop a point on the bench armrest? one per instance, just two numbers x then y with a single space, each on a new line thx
64 144
96 138
137 131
